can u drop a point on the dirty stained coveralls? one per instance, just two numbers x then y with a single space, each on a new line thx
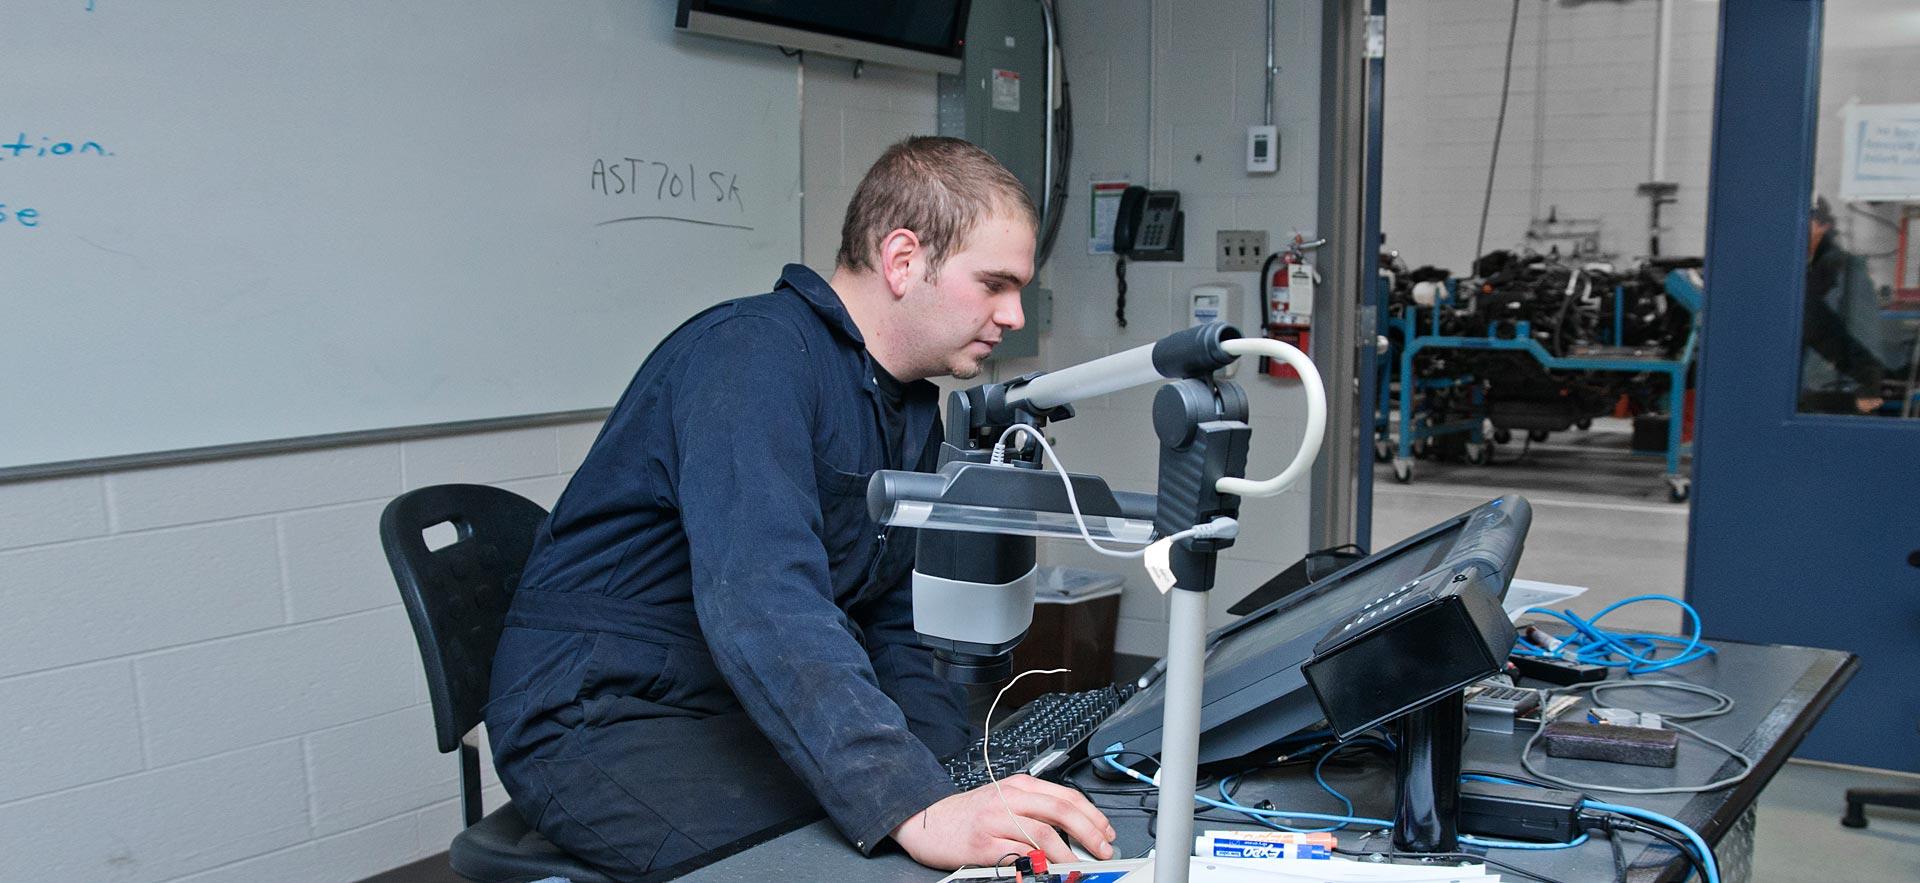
711 635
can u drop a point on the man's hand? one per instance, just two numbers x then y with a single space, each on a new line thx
977 828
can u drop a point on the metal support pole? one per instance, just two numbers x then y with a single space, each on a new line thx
1426 814
1180 726
1372 304
1336 300
470 806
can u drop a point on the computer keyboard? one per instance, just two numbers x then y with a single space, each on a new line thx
1046 734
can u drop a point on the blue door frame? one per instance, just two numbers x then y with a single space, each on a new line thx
1803 527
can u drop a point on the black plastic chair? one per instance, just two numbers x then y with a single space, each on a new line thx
457 597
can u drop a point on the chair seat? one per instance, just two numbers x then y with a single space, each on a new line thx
502 849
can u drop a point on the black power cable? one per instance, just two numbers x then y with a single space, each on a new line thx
1499 127
1610 823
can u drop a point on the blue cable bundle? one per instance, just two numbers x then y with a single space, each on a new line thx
1267 816
1592 645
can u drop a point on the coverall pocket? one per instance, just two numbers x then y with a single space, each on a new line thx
846 530
620 673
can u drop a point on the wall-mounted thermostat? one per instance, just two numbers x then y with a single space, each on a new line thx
1263 149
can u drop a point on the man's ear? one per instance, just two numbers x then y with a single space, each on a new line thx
900 259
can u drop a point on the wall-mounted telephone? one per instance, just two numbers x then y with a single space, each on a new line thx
1149 227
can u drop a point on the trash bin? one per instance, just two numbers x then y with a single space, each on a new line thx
1075 616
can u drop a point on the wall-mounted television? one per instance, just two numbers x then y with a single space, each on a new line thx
920 34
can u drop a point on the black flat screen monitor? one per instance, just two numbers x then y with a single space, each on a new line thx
924 34
1255 694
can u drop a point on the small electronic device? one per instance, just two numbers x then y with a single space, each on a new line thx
1149 226
1497 708
1520 812
1263 149
1213 302
1042 736
1255 692
1413 645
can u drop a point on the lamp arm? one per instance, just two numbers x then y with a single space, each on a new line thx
1315 389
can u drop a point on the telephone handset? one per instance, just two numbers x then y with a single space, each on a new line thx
1148 228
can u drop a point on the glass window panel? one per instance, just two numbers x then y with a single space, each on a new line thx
1860 353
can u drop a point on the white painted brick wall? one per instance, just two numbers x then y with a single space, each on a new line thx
68 727
1588 70
1207 90
205 673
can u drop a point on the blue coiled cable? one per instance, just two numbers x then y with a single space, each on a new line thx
1592 645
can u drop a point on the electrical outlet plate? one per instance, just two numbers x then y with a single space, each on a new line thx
1239 250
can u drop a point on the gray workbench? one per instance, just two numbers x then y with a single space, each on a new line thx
1780 690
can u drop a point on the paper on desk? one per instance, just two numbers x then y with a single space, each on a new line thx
1220 870
1525 593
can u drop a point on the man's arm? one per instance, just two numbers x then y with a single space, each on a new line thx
751 510
934 706
763 595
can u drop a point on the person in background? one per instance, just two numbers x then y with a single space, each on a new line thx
1840 368
712 639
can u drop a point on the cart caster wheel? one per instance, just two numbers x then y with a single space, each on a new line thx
1480 454
1419 449
1583 425
1402 470
1382 451
1678 489
1536 435
1502 436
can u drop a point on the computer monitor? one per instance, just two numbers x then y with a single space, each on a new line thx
922 34
1255 694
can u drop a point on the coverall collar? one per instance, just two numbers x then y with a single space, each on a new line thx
823 299
826 302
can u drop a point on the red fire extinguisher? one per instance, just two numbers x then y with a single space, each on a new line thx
1286 302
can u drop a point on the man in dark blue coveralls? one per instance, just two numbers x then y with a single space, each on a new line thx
711 637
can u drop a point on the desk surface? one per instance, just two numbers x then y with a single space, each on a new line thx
1779 690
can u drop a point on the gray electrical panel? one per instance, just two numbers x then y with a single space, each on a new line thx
999 101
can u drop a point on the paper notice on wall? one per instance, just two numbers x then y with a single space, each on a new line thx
1880 159
1105 208
1006 90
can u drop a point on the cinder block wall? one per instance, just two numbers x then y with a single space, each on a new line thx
1180 123
205 673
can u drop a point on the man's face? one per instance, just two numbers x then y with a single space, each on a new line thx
1815 230
952 322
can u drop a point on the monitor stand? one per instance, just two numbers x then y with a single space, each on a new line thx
1426 816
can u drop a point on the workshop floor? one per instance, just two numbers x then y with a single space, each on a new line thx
1601 520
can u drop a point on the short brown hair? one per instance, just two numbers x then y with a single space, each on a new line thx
938 188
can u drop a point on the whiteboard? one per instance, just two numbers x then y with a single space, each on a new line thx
229 222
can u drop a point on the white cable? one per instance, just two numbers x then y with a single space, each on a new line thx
1316 416
986 747
1072 501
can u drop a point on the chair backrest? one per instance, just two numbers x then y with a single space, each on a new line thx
457 595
